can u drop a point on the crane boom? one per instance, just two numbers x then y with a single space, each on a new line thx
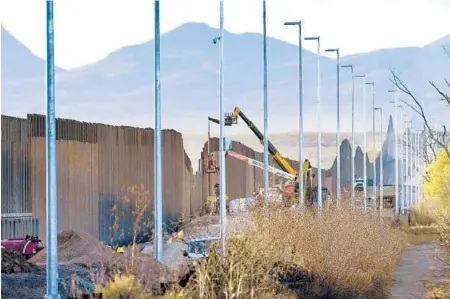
280 160
259 164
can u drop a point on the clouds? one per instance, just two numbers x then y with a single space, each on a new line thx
86 31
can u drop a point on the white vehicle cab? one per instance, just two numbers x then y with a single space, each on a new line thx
199 248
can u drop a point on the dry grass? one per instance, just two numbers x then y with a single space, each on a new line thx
282 253
421 216
342 254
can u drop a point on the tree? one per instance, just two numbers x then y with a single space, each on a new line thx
434 140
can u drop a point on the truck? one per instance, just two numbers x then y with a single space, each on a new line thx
200 247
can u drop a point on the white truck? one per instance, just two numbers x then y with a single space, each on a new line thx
199 248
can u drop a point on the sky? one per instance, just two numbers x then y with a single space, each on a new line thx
88 30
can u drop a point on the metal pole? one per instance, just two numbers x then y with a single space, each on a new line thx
338 133
300 114
353 138
417 166
401 161
352 162
159 250
319 132
420 168
406 203
412 158
381 161
52 199
300 109
374 156
365 143
396 150
410 164
223 206
266 109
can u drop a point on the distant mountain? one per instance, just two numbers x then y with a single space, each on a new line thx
23 77
119 88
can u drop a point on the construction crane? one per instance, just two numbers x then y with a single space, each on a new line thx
291 189
252 162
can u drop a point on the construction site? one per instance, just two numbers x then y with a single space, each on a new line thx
98 168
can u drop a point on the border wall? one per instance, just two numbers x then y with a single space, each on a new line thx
96 164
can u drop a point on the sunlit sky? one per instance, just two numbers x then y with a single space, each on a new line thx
87 30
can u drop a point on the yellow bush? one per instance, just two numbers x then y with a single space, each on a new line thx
437 190
437 187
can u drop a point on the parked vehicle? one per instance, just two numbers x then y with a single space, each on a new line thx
199 248
28 246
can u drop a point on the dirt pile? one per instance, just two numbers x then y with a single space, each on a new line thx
78 247
14 262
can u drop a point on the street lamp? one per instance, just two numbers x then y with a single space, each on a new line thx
51 169
394 91
350 66
407 202
266 109
402 153
300 108
381 157
222 184
365 139
159 245
338 126
319 133
374 156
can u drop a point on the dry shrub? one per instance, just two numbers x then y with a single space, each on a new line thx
131 275
421 215
341 254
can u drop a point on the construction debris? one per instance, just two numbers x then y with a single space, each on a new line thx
78 247
15 262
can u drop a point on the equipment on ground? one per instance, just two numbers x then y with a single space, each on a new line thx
28 246
200 248
291 188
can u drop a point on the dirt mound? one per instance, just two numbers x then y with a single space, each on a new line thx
76 246
14 262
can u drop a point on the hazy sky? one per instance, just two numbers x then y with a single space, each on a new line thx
87 30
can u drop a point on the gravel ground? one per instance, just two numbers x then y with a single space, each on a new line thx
33 284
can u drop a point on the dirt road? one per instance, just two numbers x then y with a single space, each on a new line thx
419 265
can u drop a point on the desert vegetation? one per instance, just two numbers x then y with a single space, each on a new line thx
283 253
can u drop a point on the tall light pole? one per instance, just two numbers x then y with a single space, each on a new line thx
410 163
266 109
319 132
350 66
381 157
394 91
222 185
417 166
365 139
406 203
52 199
300 109
374 155
159 251
338 125
402 181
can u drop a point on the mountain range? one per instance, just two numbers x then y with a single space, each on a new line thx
119 88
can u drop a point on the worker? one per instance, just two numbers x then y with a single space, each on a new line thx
306 166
